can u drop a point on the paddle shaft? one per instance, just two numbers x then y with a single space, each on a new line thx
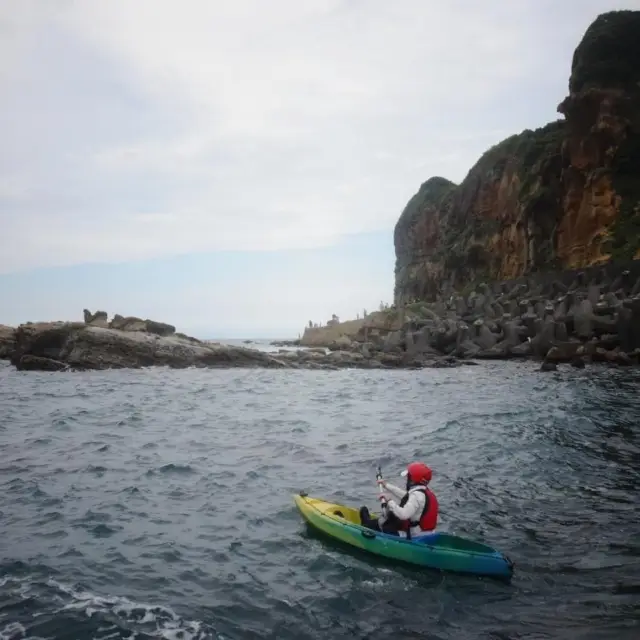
381 496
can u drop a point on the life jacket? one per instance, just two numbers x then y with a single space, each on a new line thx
429 516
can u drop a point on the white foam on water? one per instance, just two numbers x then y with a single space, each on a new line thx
12 631
150 619
143 615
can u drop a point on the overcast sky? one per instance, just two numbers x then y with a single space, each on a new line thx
236 168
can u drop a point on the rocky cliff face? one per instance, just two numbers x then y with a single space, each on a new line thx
564 196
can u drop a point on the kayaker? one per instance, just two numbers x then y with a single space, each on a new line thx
418 508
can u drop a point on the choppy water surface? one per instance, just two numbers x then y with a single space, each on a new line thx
159 503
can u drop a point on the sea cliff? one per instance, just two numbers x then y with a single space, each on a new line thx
563 196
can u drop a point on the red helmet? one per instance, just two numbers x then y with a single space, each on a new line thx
418 473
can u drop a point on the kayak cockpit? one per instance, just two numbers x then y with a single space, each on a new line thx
338 511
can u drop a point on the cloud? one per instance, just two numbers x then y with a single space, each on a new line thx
136 130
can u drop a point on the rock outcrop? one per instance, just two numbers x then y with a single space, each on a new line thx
59 346
80 346
593 316
564 196
7 341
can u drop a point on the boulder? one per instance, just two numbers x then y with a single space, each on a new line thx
160 328
38 363
86 347
343 343
97 319
7 341
563 352
130 323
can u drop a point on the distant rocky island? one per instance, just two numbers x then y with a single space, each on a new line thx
536 254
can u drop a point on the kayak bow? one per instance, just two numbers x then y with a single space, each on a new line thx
443 551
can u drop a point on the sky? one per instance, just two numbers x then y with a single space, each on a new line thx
236 168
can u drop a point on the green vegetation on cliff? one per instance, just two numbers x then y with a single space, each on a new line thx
609 54
431 192
608 57
542 199
625 232
533 157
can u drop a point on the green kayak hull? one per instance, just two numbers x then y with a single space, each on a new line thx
442 551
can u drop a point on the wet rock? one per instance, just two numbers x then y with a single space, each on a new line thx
38 363
563 352
615 357
522 350
577 362
548 366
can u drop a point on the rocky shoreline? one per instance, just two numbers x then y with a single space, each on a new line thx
586 321
134 343
591 319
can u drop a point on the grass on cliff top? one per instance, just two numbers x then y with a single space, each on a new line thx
431 192
527 149
529 152
608 55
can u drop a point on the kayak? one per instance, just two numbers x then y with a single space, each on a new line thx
434 550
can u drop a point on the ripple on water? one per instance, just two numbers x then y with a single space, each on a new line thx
159 502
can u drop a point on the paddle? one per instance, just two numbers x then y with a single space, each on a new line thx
381 496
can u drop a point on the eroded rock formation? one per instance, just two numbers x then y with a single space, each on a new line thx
564 196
